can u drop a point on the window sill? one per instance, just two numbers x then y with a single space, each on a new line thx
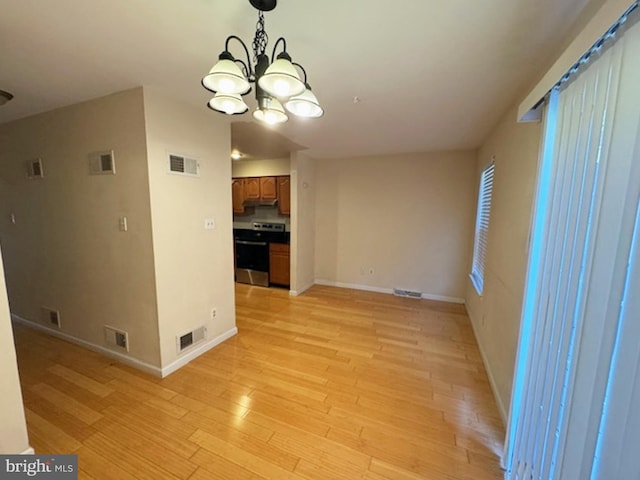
477 283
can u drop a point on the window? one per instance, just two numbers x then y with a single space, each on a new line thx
482 228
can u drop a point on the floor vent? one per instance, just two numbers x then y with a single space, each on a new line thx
116 338
193 337
398 292
51 317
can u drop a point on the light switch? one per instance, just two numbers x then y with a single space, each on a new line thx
209 224
123 224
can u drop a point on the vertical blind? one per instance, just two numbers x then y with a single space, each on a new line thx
570 300
482 228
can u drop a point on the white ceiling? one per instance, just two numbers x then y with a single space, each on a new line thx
430 75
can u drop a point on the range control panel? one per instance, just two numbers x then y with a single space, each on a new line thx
268 227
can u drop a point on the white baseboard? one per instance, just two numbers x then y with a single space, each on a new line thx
131 361
300 291
197 351
369 288
443 298
354 286
28 451
487 367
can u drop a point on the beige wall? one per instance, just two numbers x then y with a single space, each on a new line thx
496 314
303 187
66 251
13 429
261 168
407 217
194 266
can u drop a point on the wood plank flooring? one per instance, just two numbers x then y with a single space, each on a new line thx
334 384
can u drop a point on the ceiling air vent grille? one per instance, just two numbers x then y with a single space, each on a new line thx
34 168
188 339
183 165
102 163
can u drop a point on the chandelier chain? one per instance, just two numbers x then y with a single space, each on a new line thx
261 38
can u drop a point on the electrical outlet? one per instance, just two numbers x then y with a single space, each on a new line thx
122 222
214 312
209 224
12 218
371 271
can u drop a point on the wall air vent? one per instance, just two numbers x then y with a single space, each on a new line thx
34 168
102 163
50 317
398 292
188 339
116 338
183 166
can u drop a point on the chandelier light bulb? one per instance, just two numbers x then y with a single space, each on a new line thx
270 117
227 107
282 88
226 85
304 110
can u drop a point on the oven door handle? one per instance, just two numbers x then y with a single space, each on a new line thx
245 242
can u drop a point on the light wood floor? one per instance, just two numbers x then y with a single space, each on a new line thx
334 384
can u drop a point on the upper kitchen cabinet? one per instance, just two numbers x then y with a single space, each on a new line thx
284 195
238 192
260 188
251 192
252 188
268 188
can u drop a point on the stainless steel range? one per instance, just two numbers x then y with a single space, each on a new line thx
252 251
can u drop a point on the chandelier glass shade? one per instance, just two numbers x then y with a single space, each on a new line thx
276 82
229 103
270 111
281 79
226 77
304 105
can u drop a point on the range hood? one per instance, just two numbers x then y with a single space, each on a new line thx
260 203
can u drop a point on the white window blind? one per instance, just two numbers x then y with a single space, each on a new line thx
482 228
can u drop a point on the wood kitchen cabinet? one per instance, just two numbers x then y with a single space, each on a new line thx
252 188
279 270
238 194
284 195
261 188
268 188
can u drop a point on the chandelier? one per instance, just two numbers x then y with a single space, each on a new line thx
277 81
